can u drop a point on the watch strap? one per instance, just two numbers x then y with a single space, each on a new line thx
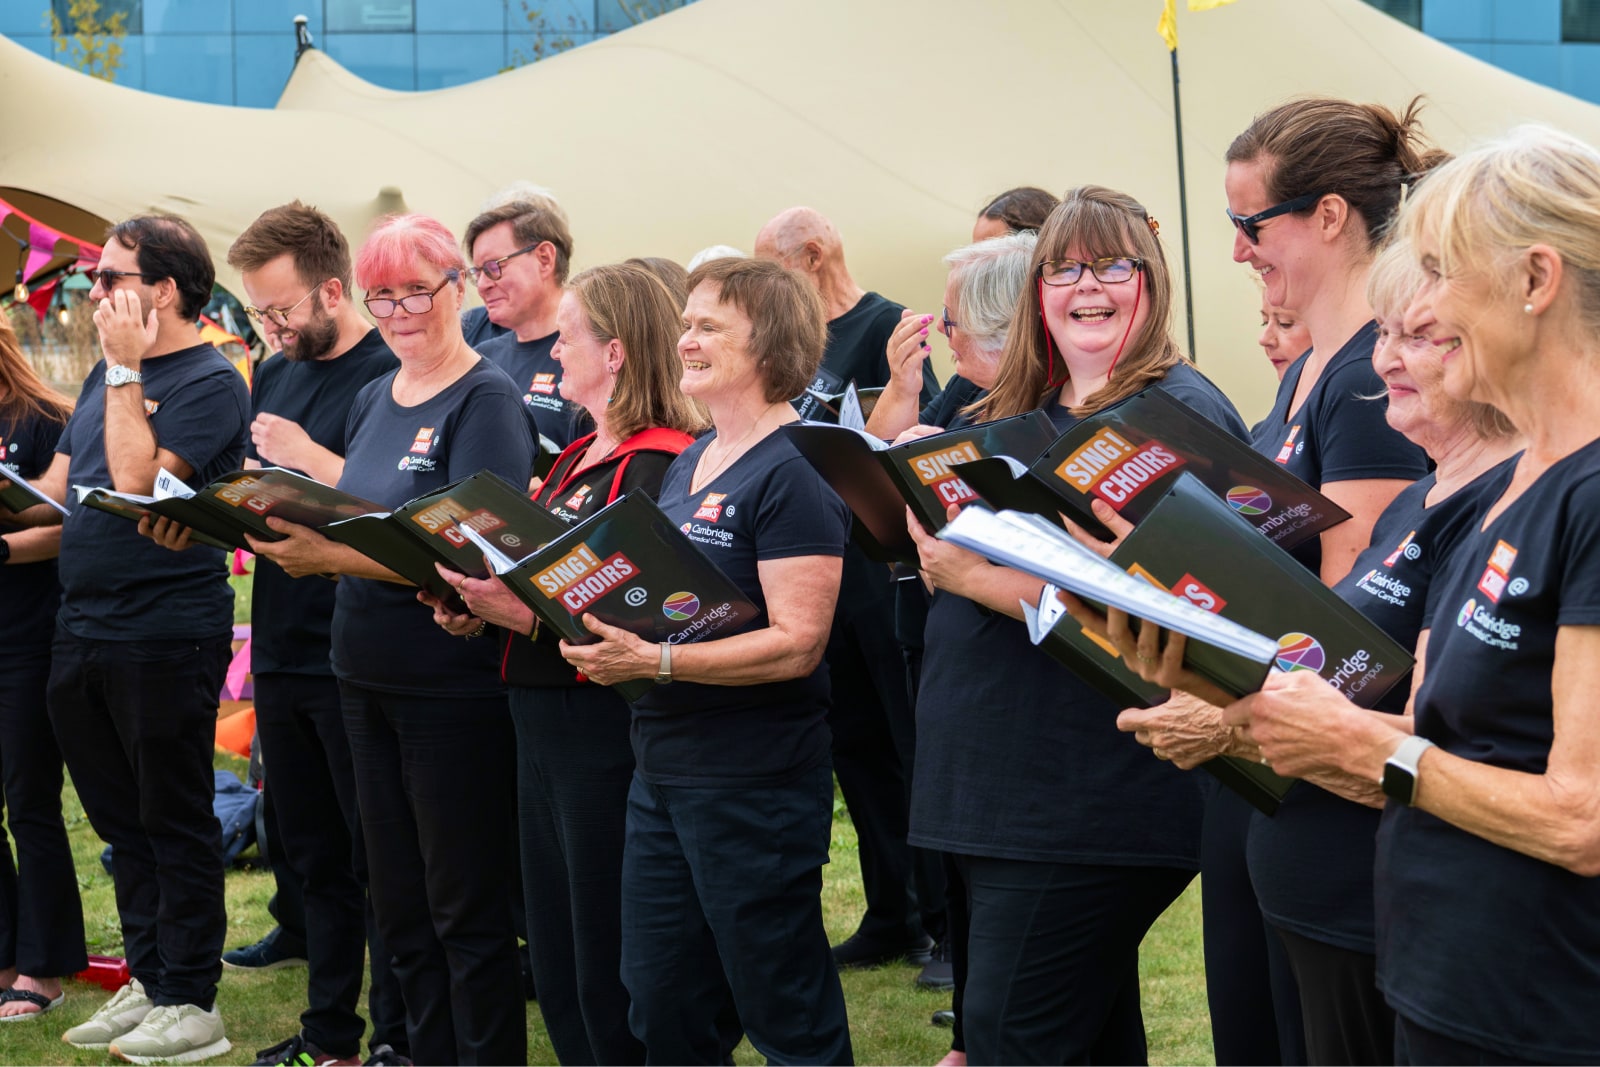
1400 769
664 671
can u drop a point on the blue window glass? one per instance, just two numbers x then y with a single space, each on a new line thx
371 16
1580 71
1580 20
129 72
466 16
1459 20
613 15
189 66
187 16
132 9
1528 20
1407 11
276 16
448 59
386 59
24 20
43 46
261 68
1537 62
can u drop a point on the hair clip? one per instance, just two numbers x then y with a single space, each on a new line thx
1155 227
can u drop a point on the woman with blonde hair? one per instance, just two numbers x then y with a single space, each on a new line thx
41 919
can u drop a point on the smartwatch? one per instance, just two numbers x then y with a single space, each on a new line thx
1400 770
119 375
664 672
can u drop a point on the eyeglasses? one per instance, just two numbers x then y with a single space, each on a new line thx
280 316
417 303
1110 270
494 266
949 323
105 279
1248 226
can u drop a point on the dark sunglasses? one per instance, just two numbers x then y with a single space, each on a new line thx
108 278
1247 226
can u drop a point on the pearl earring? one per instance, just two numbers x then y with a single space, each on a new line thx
1527 309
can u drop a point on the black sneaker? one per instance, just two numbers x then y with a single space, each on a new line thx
298 1052
938 973
386 1056
946 1019
858 951
264 955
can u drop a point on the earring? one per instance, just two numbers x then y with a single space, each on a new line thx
1527 309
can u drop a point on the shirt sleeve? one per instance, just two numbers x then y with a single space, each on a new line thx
1354 438
43 437
1580 555
799 515
645 470
204 418
491 433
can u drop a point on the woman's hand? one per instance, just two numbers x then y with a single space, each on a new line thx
165 532
1304 726
911 433
619 655
1120 528
947 566
1154 654
451 622
1185 730
906 352
490 600
303 550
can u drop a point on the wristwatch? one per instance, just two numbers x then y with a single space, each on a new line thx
1400 769
664 672
116 375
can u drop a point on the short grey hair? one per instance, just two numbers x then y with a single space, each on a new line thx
987 278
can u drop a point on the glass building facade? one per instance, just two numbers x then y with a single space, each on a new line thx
241 51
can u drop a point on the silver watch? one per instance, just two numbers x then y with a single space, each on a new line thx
119 375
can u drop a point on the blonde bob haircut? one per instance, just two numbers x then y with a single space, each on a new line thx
1091 222
1396 276
1487 207
632 306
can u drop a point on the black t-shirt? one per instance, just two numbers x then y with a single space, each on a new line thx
1018 758
289 617
477 327
1311 863
1475 941
382 638
573 494
945 409
118 586
29 591
770 505
1338 435
538 377
855 353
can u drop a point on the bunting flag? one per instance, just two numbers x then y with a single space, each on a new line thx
39 246
1168 26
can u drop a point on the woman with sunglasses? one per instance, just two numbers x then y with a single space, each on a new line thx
1071 840
430 731
1312 186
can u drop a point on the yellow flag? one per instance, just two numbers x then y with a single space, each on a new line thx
1168 26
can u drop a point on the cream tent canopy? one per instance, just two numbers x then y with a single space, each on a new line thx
895 118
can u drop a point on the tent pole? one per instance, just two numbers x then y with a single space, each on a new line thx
1183 205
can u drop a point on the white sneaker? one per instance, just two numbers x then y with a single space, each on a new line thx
173 1033
125 1010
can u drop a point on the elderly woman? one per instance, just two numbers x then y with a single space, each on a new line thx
41 920
617 326
1488 900
730 810
1283 338
1071 841
1311 863
426 713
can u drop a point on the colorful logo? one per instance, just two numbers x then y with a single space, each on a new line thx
1465 614
1289 448
711 507
686 527
1406 548
1300 652
680 607
1498 572
1248 500
424 441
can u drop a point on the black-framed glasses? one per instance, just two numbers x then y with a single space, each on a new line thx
945 319
493 267
1108 270
105 279
417 303
1247 226
280 316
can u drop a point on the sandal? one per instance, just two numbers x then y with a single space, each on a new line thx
38 1000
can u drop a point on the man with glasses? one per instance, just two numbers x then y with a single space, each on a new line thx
520 253
295 267
143 636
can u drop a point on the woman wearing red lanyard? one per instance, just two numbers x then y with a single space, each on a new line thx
617 349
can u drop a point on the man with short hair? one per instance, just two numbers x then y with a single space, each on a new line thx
143 636
294 264
520 254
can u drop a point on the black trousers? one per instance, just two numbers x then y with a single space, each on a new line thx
870 707
958 932
1346 1019
435 778
721 901
41 917
1255 1005
1416 1046
322 863
137 722
574 767
1053 959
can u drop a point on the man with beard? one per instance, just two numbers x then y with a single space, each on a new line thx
295 266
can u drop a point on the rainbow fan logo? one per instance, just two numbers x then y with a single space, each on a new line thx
1465 615
1248 500
1300 652
681 607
